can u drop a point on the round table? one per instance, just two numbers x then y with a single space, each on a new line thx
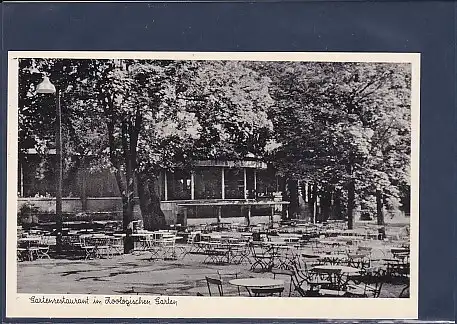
29 239
257 282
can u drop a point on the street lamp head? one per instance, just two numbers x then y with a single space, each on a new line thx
45 86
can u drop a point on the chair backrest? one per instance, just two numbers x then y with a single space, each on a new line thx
217 282
296 279
364 249
258 250
375 280
84 240
329 278
284 272
166 241
191 238
45 240
262 292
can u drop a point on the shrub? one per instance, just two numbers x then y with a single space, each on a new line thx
27 214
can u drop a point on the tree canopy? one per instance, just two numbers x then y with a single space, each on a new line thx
342 125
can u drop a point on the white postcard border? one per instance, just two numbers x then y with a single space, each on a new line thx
20 305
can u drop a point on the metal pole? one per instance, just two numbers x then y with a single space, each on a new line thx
192 185
255 184
223 182
59 173
21 166
165 186
245 183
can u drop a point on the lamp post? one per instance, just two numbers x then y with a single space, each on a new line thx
46 87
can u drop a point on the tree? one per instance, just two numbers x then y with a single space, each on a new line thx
329 118
140 117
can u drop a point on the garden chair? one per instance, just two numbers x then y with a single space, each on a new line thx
230 275
360 261
116 246
217 255
43 248
284 272
239 252
304 281
167 247
217 282
366 285
405 291
102 248
263 261
21 253
88 247
193 246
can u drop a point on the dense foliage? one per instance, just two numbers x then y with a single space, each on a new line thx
344 127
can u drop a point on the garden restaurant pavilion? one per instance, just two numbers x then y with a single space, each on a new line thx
244 191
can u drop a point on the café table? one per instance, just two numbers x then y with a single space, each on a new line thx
143 239
30 242
335 274
349 238
280 252
311 255
250 283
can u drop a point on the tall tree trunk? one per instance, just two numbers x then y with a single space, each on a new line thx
310 194
351 203
313 201
83 195
127 208
337 203
292 186
380 214
129 153
325 203
153 216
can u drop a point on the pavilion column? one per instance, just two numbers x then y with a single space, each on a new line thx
314 210
219 214
223 182
165 186
248 218
255 183
192 185
305 196
245 184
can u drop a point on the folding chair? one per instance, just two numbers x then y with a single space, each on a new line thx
88 247
366 285
263 261
43 248
284 272
102 248
217 282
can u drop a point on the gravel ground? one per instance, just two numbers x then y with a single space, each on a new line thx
136 273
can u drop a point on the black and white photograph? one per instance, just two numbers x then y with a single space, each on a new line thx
250 177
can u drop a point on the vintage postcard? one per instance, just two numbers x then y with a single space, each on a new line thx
213 185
